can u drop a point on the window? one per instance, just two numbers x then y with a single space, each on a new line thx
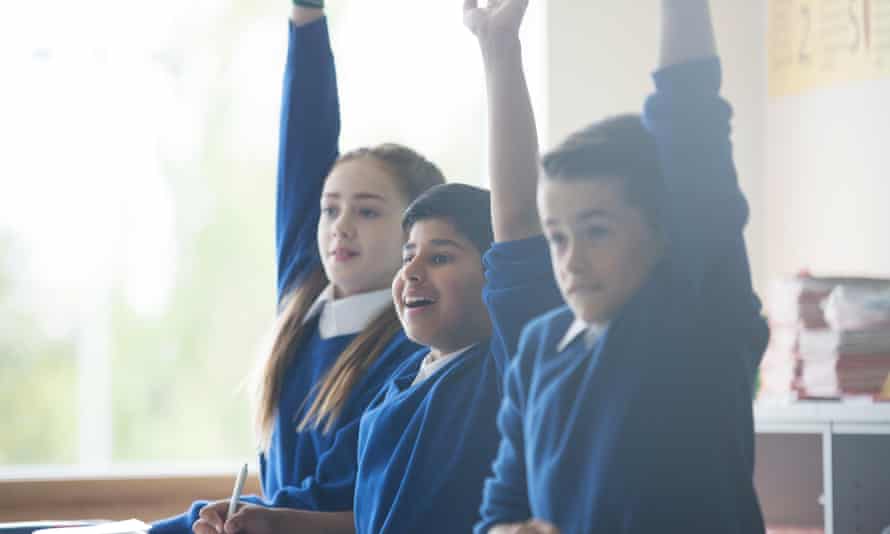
136 206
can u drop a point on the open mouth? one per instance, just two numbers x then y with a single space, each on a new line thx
343 254
416 303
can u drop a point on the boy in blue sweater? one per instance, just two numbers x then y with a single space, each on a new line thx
475 271
426 443
629 410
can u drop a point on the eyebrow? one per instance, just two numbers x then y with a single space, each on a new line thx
358 196
436 242
583 216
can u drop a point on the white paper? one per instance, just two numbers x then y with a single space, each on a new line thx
130 526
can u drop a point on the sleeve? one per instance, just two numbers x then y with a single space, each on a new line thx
332 486
505 494
519 286
182 524
309 132
705 211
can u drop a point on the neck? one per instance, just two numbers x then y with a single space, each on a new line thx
340 293
436 353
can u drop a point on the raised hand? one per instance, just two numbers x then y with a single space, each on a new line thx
306 11
513 137
686 31
499 18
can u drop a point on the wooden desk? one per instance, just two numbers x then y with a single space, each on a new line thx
143 497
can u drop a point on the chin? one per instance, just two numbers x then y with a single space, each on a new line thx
415 335
588 313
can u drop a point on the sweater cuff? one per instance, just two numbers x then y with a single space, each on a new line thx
312 38
180 524
513 263
697 77
317 29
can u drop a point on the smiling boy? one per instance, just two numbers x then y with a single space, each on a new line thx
629 410
475 271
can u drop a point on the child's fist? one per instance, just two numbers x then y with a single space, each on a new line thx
251 519
500 17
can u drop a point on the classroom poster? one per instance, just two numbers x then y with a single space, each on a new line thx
822 43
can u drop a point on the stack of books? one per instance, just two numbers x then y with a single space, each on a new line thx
830 339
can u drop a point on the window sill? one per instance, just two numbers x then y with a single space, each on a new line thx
117 496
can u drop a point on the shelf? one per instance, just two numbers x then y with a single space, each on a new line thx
831 452
822 416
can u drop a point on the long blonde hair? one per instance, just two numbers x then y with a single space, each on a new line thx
413 174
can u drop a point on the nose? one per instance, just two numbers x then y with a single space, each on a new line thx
412 272
343 226
574 261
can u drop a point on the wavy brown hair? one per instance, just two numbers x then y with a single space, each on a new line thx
413 174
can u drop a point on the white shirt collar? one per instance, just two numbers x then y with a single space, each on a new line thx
591 331
430 365
349 315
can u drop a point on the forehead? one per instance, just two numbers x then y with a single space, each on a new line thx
358 176
567 198
434 231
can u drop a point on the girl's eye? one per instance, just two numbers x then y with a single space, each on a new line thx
329 211
440 259
369 213
407 259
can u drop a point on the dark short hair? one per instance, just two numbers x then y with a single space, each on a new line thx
619 147
467 208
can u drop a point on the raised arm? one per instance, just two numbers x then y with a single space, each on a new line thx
309 133
686 31
705 210
513 139
519 281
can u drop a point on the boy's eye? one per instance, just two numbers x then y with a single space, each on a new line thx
369 213
407 259
440 259
597 232
329 211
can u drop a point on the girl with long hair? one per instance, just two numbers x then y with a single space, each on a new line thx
337 336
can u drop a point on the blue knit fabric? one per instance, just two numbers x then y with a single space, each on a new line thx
425 449
651 430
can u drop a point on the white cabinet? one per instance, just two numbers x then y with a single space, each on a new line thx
824 464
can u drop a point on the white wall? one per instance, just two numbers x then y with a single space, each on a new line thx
815 167
600 58
828 173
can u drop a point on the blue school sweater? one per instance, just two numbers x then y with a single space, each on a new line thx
651 430
424 450
308 470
